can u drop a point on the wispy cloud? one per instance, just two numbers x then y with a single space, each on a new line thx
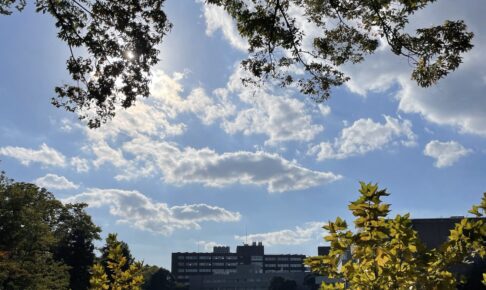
141 212
53 181
45 155
217 19
209 168
80 164
300 235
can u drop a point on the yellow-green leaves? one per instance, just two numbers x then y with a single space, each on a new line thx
387 254
116 278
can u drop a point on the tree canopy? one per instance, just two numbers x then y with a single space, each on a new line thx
113 44
156 278
43 243
120 274
386 253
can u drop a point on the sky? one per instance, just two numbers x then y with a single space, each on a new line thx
206 161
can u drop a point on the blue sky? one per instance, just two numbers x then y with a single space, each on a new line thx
207 161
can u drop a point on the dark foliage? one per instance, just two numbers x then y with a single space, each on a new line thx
43 243
156 278
280 283
347 31
113 46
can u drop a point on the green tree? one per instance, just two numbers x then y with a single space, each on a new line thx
118 41
28 216
119 277
156 278
76 233
387 254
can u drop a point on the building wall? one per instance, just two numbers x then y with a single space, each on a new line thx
244 279
186 265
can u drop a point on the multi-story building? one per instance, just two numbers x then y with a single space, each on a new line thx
222 261
249 277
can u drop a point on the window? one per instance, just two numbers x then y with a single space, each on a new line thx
180 257
270 258
295 259
218 257
204 263
220 271
295 265
283 258
205 270
191 257
270 265
204 257
257 258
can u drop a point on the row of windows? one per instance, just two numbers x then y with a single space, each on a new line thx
214 271
284 258
207 264
182 257
233 264
284 265
233 257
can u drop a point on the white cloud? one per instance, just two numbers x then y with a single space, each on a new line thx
154 118
365 135
209 109
445 153
207 167
324 109
45 155
217 19
300 235
66 125
80 164
140 212
280 117
106 154
134 141
53 181
208 245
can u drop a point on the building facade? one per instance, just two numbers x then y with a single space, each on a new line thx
222 262
248 277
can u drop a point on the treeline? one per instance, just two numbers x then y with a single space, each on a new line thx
45 244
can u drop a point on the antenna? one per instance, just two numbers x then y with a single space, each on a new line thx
246 235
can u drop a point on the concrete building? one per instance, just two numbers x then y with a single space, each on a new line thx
222 262
246 277
433 232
